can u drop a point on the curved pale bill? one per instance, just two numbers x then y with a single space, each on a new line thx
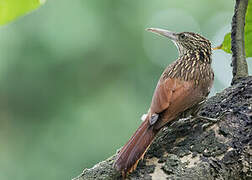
163 32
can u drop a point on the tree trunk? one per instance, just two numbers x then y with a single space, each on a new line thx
196 148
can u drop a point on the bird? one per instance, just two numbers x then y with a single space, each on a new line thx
183 86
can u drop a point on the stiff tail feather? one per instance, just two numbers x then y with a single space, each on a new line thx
127 159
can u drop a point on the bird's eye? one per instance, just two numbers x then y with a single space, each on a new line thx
182 36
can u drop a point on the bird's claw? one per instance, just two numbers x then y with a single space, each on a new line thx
208 119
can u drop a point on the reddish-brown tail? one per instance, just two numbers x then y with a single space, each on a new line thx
135 148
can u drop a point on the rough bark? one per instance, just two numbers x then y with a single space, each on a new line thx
240 67
195 148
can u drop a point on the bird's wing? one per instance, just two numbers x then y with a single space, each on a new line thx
173 95
162 95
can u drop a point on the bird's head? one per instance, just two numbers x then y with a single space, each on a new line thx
186 41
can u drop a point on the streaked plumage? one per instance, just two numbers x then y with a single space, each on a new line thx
184 83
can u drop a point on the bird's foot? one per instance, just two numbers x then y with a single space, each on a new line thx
186 119
208 119
183 120
213 120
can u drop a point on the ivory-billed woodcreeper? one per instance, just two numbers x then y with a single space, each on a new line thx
184 84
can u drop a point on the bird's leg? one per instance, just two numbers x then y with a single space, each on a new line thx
184 116
207 118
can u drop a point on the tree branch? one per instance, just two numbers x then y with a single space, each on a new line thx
196 149
240 67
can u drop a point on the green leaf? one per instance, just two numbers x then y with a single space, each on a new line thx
226 44
11 9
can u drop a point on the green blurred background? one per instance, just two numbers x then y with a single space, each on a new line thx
76 76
